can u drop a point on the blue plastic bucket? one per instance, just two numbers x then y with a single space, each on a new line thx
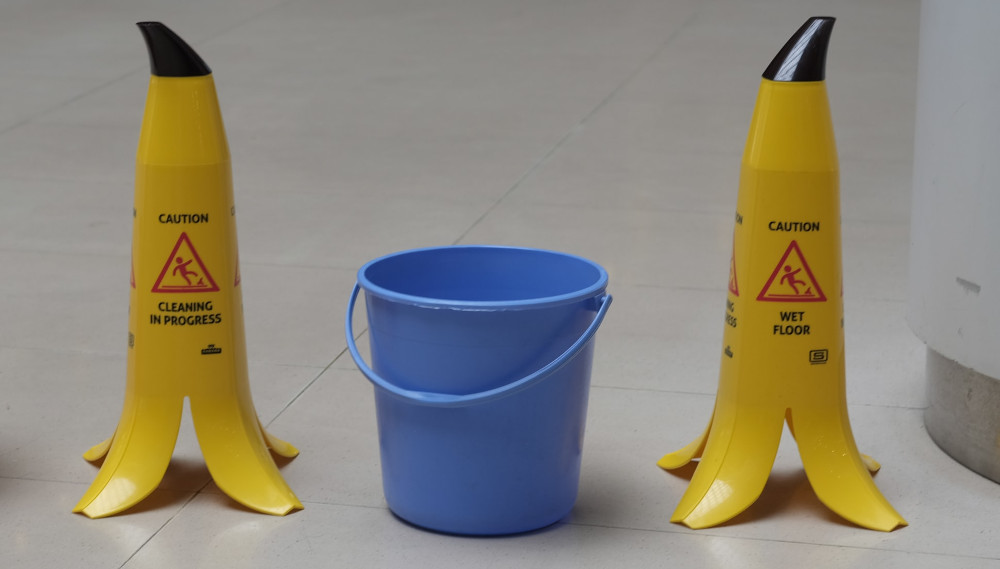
481 362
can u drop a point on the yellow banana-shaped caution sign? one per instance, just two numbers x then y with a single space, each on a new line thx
783 345
186 337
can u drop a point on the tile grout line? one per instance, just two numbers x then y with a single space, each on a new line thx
579 126
698 533
596 385
138 69
70 101
163 525
306 387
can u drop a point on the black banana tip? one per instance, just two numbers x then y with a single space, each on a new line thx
804 56
169 55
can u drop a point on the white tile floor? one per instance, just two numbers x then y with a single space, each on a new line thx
608 128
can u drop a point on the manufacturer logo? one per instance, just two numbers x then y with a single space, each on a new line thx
211 349
819 356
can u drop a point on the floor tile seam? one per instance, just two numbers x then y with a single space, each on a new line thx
341 504
895 157
39 116
279 265
65 351
681 531
35 251
293 365
578 127
117 354
915 408
44 480
869 158
576 205
856 221
308 266
162 526
599 386
712 394
340 357
115 255
850 297
685 288
80 178
902 219
432 197
72 187
85 485
237 24
853 297
291 402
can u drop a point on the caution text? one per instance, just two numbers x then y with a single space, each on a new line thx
805 226
183 218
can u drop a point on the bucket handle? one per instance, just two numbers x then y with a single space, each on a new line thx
452 400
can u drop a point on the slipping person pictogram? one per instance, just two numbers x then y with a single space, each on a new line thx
185 272
788 277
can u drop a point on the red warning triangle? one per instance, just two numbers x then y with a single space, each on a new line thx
733 287
184 271
792 280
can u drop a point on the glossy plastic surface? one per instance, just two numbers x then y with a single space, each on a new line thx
460 400
186 337
481 359
169 55
803 57
783 345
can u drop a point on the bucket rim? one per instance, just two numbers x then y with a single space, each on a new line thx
595 289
